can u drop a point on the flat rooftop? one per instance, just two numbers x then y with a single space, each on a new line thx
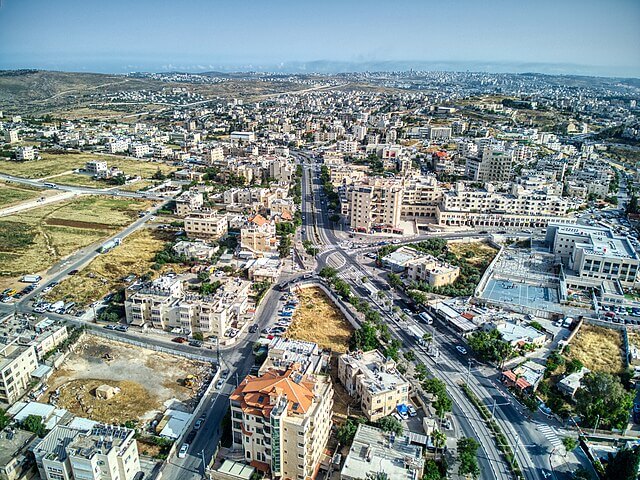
12 442
373 450
378 377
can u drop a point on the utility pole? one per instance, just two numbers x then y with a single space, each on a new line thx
596 425
204 464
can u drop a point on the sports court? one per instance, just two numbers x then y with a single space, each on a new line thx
519 293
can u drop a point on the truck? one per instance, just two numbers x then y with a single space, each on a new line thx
416 332
109 245
31 279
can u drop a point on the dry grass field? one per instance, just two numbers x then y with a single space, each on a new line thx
598 348
33 240
64 163
106 272
318 320
476 253
12 194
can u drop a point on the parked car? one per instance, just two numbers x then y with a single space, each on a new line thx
412 411
195 343
219 384
74 271
198 423
183 450
179 340
461 349
122 328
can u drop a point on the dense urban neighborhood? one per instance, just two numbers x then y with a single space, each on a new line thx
393 275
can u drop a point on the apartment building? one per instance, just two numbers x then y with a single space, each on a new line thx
25 153
495 165
139 150
592 255
439 133
215 155
17 362
282 421
258 236
206 225
375 204
11 136
96 168
15 459
487 207
373 380
118 146
188 202
281 169
104 452
420 197
165 304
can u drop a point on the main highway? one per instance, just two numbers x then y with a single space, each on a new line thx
533 449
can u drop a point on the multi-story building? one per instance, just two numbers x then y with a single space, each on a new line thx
118 146
139 150
25 153
592 255
283 352
96 168
17 362
11 136
281 169
374 381
258 236
215 155
282 421
495 165
104 452
420 197
189 201
164 304
16 462
439 133
487 207
375 204
206 225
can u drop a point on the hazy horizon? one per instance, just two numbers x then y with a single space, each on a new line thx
582 37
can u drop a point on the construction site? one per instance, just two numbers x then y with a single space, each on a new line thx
114 382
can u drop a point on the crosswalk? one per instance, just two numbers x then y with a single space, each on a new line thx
550 434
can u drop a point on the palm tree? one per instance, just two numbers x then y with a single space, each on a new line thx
426 338
439 439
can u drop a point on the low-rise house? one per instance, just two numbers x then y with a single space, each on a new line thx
525 377
97 168
570 384
263 269
195 250
374 381
429 269
374 451
518 335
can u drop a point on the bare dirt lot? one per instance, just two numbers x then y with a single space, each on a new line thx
476 253
598 348
149 381
318 320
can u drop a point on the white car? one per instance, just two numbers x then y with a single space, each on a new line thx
461 349
183 450
220 384
412 411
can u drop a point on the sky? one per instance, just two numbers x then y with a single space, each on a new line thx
117 36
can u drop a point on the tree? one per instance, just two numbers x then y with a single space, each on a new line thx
490 346
328 272
467 448
335 218
624 465
34 424
364 338
4 419
347 431
573 365
426 338
602 399
569 443
390 424
158 175
394 280
439 439
284 246
431 471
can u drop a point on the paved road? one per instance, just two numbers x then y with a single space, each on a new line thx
532 448
80 190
